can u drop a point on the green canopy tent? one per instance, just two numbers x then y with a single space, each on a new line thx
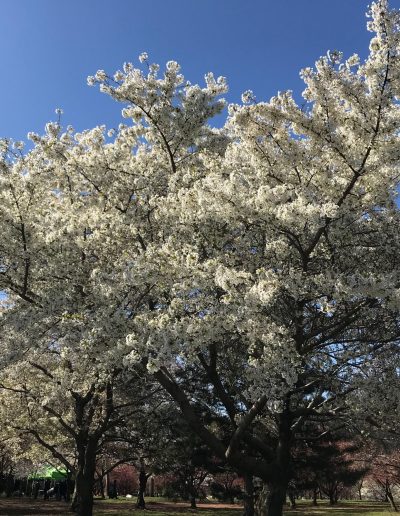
49 473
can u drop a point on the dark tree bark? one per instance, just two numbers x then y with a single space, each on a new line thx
248 498
102 490
68 486
276 500
100 481
277 489
333 493
143 477
82 500
315 496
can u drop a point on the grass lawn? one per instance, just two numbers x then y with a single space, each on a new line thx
342 509
160 507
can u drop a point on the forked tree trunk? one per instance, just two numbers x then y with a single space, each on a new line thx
389 496
82 500
333 495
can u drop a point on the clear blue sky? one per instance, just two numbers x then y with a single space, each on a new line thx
49 47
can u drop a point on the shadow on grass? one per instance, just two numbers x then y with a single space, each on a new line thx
163 509
343 509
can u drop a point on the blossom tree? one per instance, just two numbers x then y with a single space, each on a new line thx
82 250
261 257
72 419
288 282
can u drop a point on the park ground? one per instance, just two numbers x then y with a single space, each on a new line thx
27 507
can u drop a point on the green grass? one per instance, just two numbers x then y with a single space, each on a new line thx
362 508
122 499
128 508
303 509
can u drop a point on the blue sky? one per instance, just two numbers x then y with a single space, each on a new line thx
49 47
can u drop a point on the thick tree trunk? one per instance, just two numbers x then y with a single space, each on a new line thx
82 500
140 503
193 501
248 498
277 490
271 500
276 500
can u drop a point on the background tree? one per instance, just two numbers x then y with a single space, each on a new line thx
226 487
335 468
